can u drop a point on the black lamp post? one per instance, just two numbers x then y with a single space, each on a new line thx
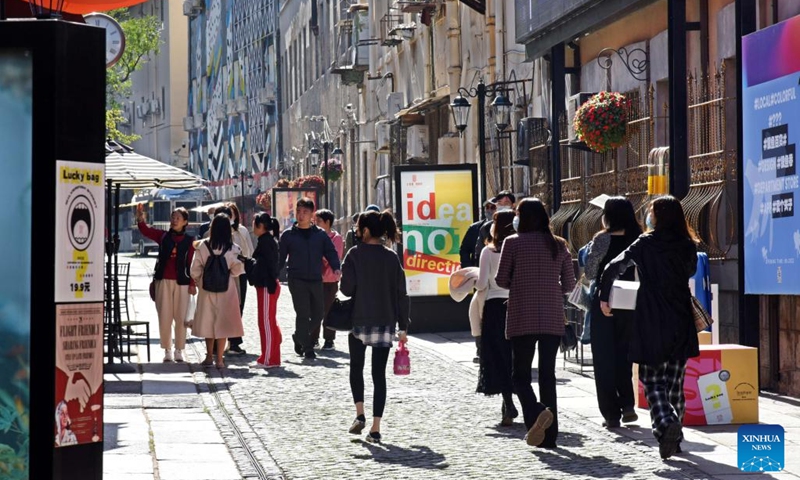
242 177
460 108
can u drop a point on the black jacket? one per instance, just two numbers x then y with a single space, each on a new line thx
373 275
664 326
305 249
467 250
262 269
182 263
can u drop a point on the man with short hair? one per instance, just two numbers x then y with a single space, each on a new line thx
504 200
351 239
467 252
306 245
201 233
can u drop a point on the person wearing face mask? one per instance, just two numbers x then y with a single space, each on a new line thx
173 280
468 252
503 201
610 337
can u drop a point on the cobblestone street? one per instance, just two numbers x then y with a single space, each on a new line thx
293 421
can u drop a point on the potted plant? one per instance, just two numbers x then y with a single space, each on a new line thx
601 122
264 200
310 181
334 167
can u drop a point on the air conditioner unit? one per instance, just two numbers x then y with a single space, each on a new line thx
230 108
155 107
573 104
417 142
199 123
188 124
531 131
266 95
139 111
241 105
382 136
193 8
394 103
449 150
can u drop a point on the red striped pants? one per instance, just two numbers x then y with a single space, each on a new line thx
268 326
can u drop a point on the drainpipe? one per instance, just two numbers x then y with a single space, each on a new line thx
499 50
491 73
454 67
427 84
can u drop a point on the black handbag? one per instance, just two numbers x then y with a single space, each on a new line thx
569 340
340 316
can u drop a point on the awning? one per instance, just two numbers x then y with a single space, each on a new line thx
89 6
128 169
421 107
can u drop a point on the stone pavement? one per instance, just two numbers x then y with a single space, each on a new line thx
173 421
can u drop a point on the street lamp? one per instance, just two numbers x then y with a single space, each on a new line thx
337 153
501 107
314 152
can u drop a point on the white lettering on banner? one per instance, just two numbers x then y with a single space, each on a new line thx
432 241
774 99
776 185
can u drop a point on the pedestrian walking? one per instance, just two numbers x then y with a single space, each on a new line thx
205 226
330 281
373 275
173 282
351 239
504 200
470 254
262 273
610 337
242 238
536 268
664 336
494 375
306 245
217 317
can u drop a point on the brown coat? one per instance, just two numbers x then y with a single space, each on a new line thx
537 284
217 314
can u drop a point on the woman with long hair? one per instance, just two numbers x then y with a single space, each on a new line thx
242 238
494 375
610 336
536 268
663 337
173 281
217 317
262 272
374 277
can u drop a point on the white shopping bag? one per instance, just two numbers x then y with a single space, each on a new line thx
192 307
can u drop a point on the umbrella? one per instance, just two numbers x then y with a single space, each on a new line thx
86 6
128 169
205 208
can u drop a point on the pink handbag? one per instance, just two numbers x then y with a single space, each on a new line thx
402 363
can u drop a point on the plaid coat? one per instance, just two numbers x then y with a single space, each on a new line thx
537 284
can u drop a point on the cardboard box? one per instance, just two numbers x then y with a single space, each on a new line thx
623 295
721 386
704 338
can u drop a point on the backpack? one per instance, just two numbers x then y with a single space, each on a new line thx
215 272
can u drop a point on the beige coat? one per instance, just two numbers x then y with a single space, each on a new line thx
217 314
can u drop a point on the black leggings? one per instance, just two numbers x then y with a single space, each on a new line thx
380 356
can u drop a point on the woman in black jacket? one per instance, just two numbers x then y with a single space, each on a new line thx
373 275
262 272
664 336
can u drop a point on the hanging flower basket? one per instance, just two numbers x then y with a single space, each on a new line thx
334 167
601 121
264 200
283 183
309 181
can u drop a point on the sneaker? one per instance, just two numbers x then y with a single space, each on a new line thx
476 359
613 424
357 426
310 355
668 445
316 343
257 365
298 347
373 437
167 356
535 436
328 345
179 355
629 416
236 350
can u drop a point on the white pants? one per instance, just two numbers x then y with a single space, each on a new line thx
172 301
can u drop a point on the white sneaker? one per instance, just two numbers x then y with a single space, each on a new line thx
178 355
167 356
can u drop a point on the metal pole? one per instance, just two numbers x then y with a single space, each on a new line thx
109 282
678 98
500 159
558 86
325 146
2 9
117 312
482 139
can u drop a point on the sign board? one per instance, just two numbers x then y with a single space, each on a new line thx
80 213
284 201
435 205
771 108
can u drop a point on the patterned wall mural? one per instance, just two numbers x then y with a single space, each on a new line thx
232 88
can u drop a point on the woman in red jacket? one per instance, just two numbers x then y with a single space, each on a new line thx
536 268
173 282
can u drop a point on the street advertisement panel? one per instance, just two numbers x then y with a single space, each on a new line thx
436 205
16 129
284 201
771 107
80 210
79 374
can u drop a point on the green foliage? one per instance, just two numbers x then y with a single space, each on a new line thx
142 38
14 418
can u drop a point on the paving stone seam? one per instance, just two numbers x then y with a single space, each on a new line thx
212 393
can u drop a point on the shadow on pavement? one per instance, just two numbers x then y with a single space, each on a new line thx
416 456
568 462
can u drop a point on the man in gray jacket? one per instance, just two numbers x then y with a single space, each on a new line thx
305 245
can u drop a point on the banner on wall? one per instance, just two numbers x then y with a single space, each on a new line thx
284 202
80 208
79 374
771 131
435 206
